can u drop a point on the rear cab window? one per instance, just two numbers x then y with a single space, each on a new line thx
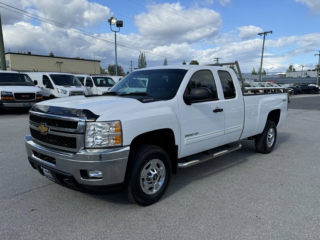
227 84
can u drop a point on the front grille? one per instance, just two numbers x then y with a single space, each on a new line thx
54 122
74 93
25 96
61 141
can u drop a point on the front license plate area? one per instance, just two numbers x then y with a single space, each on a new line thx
27 104
48 174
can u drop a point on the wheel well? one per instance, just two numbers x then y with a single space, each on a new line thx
163 138
274 116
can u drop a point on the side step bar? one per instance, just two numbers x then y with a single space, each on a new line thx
208 155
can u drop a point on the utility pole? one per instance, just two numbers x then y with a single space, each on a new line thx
264 38
318 68
130 66
2 53
217 60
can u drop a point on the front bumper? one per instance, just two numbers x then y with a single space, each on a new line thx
15 104
70 169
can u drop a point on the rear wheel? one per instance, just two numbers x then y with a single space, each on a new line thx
149 175
265 141
312 92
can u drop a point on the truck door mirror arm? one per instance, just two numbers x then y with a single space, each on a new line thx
199 94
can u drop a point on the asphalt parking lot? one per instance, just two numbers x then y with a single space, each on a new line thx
243 195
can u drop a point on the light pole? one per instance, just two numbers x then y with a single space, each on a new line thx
119 24
318 67
302 70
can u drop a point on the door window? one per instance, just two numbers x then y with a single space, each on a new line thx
203 78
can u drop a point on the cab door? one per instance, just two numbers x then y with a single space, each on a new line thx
47 86
232 103
89 85
202 123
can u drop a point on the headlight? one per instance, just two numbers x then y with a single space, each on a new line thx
6 96
103 134
62 91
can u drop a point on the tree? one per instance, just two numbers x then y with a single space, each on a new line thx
184 63
263 72
165 62
112 70
102 70
51 54
142 63
233 68
291 68
194 62
254 72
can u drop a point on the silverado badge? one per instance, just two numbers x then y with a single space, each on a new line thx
43 129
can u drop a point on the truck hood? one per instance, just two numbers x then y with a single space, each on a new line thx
99 105
19 89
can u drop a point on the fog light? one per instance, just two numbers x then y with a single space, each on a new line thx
94 174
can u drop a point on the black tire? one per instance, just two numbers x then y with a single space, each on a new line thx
265 141
312 92
149 174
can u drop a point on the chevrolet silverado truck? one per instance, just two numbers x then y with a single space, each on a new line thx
154 121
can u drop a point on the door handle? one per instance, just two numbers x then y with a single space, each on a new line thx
218 110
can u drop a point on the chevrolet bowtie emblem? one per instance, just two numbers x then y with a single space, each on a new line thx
43 129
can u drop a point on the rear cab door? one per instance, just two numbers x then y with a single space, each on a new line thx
232 103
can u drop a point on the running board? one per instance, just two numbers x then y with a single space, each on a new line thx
208 155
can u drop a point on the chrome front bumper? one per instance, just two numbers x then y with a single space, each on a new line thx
111 162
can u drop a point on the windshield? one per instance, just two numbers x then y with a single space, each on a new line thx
81 79
65 80
161 84
15 79
103 81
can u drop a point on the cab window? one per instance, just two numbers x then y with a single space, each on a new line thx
229 90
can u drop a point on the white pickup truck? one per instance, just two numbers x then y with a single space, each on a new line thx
151 123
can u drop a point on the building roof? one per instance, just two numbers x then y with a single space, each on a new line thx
29 54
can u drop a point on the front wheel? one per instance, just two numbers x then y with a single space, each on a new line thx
265 141
149 174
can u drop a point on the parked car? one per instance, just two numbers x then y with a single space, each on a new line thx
308 89
96 85
18 91
294 90
56 85
152 122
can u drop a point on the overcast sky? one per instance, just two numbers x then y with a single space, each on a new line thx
201 30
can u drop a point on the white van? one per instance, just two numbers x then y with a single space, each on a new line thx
58 85
17 90
96 85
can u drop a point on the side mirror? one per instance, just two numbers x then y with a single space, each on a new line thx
199 94
35 82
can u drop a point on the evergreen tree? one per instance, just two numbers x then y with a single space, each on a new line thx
291 68
165 62
142 63
254 72
184 63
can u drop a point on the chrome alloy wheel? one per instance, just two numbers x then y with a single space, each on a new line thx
270 137
152 176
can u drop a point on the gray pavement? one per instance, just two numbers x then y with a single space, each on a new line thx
243 195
